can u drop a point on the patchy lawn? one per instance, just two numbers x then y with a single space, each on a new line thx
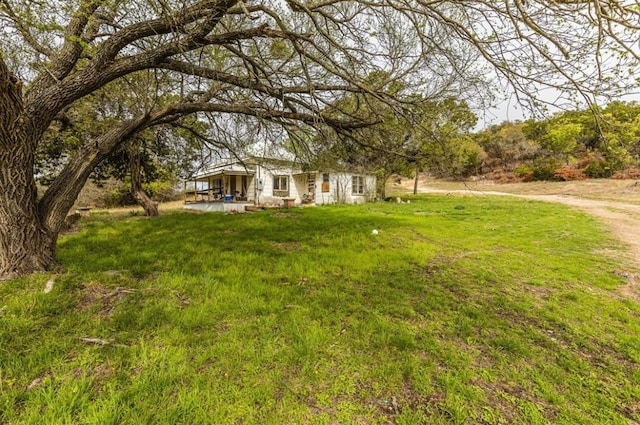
460 310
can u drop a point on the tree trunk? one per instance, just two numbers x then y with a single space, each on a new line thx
415 181
150 207
383 187
26 245
29 227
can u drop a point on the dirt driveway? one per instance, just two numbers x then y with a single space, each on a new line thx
615 202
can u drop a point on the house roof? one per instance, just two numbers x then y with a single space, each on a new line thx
237 168
243 166
247 166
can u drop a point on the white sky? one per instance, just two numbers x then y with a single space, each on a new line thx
510 110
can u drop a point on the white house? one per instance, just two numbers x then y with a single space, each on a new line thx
255 181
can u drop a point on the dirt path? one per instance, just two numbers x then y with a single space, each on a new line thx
623 220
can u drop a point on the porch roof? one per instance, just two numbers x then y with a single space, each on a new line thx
228 170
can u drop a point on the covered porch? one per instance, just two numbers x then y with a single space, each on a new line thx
225 185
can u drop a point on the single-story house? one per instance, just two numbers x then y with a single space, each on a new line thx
232 185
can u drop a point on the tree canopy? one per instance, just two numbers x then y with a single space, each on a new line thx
246 66
596 142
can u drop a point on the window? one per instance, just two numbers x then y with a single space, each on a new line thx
325 183
357 185
280 186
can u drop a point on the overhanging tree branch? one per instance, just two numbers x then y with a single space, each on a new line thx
118 68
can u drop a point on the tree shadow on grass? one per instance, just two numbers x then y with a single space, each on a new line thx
201 242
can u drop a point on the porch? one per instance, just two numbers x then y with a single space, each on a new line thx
223 186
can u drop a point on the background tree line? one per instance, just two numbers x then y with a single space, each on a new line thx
436 137
598 142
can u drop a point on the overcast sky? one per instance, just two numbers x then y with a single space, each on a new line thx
510 110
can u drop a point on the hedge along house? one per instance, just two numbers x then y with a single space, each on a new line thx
268 182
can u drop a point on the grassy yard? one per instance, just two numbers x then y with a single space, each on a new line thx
460 310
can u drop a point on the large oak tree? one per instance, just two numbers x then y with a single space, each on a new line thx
270 61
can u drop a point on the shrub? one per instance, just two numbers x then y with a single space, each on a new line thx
598 167
568 174
501 176
629 173
528 177
543 172
583 162
523 170
103 195
544 169
114 193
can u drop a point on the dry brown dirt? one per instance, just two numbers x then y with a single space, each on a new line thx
615 202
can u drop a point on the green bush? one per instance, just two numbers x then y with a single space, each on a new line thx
544 169
598 168
543 172
523 170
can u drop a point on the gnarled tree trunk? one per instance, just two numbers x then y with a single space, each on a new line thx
26 245
135 166
29 227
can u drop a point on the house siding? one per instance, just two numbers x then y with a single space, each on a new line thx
266 195
340 189
340 184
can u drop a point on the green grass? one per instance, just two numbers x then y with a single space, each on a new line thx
461 310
